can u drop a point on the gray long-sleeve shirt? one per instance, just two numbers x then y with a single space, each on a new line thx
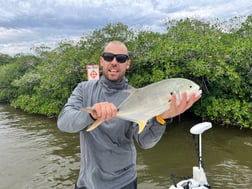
108 154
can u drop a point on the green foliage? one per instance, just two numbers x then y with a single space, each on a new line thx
4 59
26 83
220 61
37 104
226 111
8 73
143 63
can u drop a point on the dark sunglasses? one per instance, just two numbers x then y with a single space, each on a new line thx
120 58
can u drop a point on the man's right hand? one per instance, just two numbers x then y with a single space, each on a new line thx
104 111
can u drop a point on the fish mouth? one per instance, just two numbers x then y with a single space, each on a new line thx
199 92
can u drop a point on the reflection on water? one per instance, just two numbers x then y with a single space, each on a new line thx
237 175
35 154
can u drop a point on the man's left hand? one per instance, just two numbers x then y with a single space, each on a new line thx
177 109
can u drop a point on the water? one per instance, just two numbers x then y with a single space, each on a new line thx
34 154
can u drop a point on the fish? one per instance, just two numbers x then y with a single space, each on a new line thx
144 103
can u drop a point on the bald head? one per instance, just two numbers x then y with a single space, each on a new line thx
120 46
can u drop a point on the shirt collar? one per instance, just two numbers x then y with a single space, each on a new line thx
118 85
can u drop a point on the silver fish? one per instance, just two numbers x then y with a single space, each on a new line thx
151 100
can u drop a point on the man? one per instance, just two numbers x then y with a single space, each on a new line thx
108 154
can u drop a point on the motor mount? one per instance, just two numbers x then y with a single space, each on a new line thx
199 180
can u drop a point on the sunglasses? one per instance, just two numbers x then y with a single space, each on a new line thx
120 58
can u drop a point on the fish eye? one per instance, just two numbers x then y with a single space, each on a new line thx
171 93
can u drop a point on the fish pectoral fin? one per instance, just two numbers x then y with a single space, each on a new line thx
142 124
94 125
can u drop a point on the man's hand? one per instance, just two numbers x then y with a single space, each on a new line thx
177 109
104 111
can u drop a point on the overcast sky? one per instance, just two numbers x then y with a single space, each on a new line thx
25 24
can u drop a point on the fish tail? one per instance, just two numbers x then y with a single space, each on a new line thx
142 124
94 125
88 110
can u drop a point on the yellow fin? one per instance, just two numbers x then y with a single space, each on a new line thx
94 125
141 124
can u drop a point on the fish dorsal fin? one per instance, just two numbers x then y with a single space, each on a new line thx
94 125
141 124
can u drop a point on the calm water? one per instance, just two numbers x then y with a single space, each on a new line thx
34 154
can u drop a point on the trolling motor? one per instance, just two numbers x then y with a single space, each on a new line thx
199 180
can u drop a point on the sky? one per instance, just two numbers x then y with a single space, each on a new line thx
26 24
